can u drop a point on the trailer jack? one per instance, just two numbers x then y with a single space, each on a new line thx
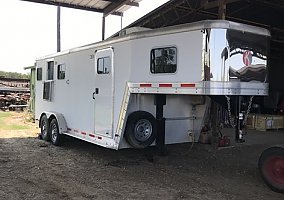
239 128
240 116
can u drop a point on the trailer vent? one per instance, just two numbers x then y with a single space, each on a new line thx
132 30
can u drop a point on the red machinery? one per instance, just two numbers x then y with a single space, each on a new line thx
271 167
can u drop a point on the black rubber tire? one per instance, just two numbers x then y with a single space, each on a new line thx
44 128
133 121
266 162
55 136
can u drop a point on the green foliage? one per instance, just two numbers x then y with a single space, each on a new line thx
14 75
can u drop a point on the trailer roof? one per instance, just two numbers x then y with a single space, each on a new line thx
107 7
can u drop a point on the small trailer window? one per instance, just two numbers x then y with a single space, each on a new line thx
50 70
39 74
47 90
164 60
61 69
103 65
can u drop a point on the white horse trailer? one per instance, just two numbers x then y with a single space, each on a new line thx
108 93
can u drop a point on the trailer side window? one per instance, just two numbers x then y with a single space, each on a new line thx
103 65
164 60
47 90
50 70
39 74
61 69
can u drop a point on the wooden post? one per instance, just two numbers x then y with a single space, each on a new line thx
222 9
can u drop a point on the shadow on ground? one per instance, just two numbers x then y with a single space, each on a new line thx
34 169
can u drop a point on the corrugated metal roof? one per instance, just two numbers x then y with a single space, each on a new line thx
107 7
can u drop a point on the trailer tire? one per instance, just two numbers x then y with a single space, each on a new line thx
44 128
140 131
55 136
271 167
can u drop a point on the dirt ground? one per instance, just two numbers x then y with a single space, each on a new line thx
33 169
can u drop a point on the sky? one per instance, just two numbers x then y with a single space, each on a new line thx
28 30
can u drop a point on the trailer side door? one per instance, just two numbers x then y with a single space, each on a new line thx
103 92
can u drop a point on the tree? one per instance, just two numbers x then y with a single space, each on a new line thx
14 75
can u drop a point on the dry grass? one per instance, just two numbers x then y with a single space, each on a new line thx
17 124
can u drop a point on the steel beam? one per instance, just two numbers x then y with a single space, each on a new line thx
103 27
58 30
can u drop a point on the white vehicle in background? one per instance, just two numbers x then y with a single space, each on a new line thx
127 91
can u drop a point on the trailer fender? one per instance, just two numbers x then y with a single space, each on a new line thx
62 125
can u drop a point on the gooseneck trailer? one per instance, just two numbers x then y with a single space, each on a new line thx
150 87
115 92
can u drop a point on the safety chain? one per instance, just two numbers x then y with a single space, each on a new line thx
231 119
248 111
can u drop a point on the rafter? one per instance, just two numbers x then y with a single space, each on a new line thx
213 4
128 3
115 6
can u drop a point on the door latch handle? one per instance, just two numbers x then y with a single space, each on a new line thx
96 92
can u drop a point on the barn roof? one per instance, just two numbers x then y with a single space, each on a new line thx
107 7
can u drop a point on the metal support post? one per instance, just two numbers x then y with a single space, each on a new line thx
58 30
214 124
103 27
160 101
121 19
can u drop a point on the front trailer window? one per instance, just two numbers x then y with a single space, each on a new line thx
164 60
103 65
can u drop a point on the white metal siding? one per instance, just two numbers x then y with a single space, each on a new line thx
189 53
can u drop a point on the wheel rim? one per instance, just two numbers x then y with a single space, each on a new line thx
274 169
54 132
143 130
44 128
